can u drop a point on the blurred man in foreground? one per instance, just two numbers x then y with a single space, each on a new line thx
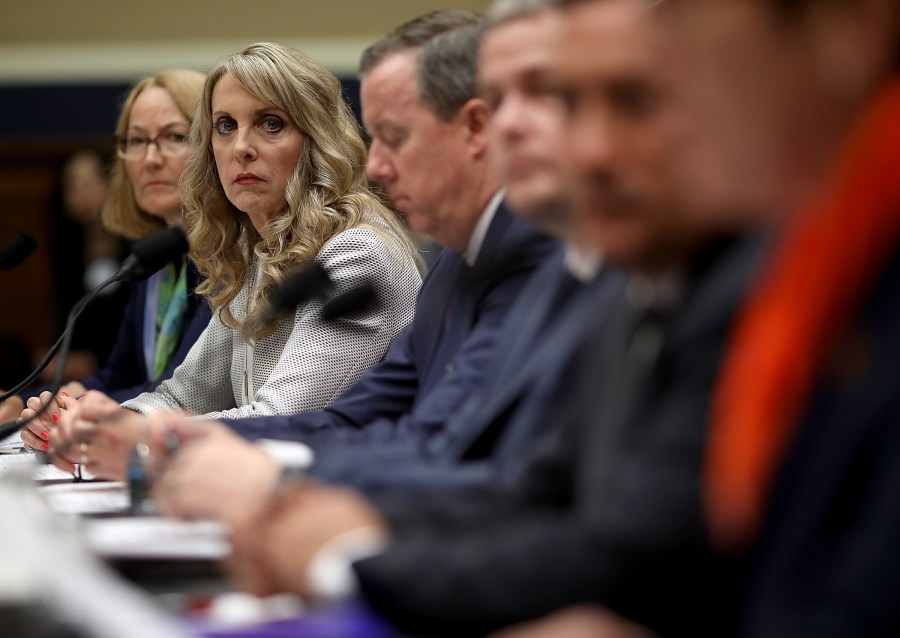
801 105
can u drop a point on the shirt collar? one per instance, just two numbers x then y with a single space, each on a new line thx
582 263
481 227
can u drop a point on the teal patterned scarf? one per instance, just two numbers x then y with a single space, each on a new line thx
170 307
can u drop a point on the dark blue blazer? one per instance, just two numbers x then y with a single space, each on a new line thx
494 427
827 562
124 375
437 361
607 509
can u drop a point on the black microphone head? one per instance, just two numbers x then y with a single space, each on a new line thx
152 252
14 251
9 428
299 287
358 299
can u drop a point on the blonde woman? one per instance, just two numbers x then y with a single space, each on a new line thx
276 182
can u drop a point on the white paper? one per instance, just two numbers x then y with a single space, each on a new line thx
156 537
87 498
72 584
16 462
40 473
46 473
11 444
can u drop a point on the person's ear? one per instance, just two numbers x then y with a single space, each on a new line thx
855 43
474 117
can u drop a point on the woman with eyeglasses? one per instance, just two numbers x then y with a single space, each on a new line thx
164 315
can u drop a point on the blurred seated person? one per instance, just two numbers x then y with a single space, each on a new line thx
277 180
801 480
799 102
164 315
802 475
85 253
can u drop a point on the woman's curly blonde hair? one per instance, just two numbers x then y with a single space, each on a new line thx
326 195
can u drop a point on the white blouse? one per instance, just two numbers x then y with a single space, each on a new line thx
304 364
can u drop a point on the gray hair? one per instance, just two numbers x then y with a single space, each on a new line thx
447 70
447 65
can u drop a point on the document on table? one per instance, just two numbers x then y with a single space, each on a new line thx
108 497
22 461
13 462
11 444
158 538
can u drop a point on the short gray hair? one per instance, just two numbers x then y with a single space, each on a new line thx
447 65
447 70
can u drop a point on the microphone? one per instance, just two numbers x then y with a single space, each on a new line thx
357 299
9 428
313 281
149 254
299 287
14 251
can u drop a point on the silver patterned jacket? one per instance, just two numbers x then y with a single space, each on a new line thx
304 364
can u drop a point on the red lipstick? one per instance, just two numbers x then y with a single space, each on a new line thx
248 178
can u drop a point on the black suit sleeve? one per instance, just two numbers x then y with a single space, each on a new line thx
510 567
827 563
837 577
474 502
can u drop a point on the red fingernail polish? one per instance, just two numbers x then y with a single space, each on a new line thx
64 393
45 436
46 447
55 418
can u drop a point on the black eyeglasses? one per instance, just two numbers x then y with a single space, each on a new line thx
169 144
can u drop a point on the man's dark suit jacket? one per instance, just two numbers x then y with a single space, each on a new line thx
828 561
608 509
490 432
124 374
434 364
